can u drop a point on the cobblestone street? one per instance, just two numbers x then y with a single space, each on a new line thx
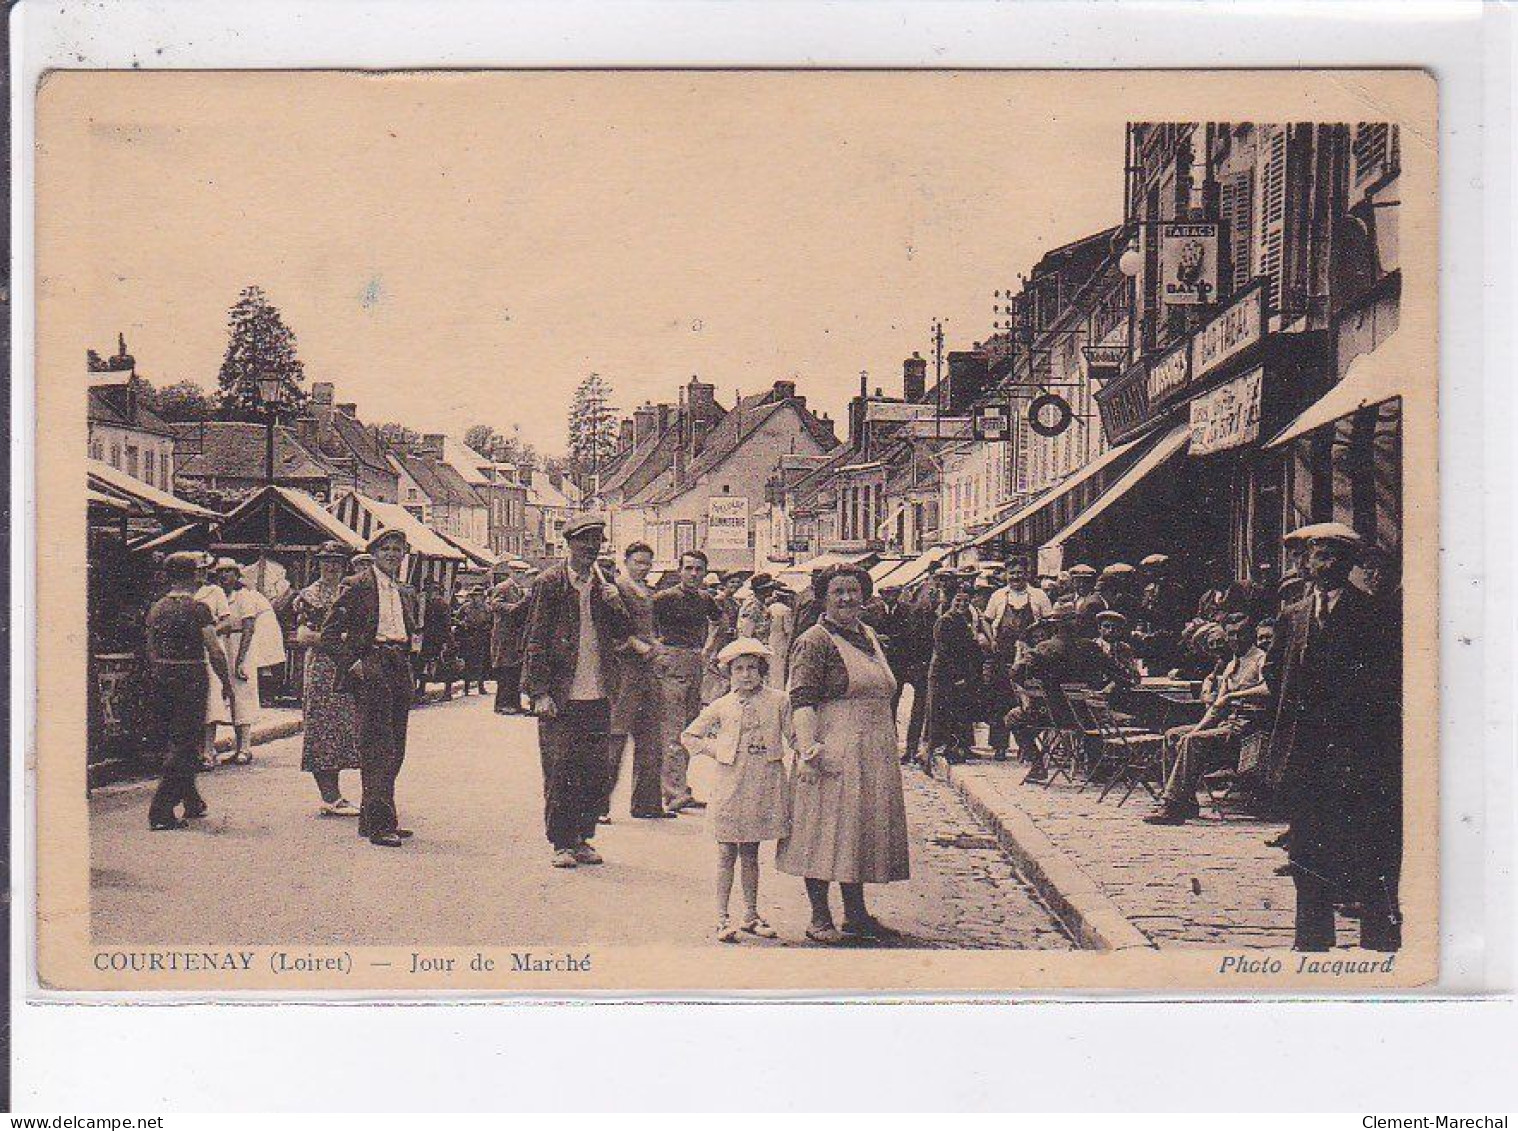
477 870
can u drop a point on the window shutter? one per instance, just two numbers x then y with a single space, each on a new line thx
1270 210
1376 152
1238 214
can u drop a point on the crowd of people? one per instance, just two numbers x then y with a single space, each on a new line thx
795 698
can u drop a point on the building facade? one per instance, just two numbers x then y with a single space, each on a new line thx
128 435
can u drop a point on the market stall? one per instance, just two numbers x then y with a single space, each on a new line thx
432 558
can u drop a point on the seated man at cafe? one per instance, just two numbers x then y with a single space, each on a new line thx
1063 657
1235 697
1112 638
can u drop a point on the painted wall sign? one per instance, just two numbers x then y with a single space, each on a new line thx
1228 416
727 521
1229 334
1169 374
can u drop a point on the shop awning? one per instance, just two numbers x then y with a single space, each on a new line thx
169 538
111 481
904 573
799 576
1061 490
110 502
1372 378
1051 554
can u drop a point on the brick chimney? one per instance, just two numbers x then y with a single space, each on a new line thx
646 419
914 379
856 414
701 407
624 435
784 391
968 374
348 409
321 395
431 445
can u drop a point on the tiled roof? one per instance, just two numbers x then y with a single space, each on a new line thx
360 442
225 449
108 405
644 463
439 481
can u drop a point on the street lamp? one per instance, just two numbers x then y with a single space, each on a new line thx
271 398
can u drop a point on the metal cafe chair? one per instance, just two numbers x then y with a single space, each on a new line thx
1061 743
1133 753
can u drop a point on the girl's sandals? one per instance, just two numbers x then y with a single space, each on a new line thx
237 758
727 931
760 929
827 936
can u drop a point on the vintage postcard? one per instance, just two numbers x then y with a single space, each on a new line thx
715 532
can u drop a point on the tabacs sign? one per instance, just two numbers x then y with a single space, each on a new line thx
727 522
1189 264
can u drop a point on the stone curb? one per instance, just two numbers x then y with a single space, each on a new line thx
1085 911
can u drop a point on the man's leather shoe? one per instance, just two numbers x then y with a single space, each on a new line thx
386 840
404 833
654 815
165 826
1168 815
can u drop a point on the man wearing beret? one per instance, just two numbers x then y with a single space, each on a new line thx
368 634
576 625
1335 669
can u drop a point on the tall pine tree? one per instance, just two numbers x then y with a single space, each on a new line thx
592 430
259 343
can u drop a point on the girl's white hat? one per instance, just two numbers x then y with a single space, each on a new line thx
744 646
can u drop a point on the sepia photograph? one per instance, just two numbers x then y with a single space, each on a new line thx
656 531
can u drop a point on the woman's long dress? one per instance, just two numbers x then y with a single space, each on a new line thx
850 825
329 741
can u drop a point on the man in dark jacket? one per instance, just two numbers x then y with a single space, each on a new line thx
1335 667
508 613
368 633
574 629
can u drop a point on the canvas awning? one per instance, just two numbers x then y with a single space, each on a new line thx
799 576
367 517
1008 525
1051 554
478 556
1372 378
323 524
111 481
110 502
906 572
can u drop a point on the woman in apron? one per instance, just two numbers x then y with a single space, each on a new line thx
849 822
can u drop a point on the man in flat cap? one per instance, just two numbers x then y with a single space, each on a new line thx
368 634
576 624
1335 668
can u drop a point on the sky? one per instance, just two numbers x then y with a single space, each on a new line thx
457 248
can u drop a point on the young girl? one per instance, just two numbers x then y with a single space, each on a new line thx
746 732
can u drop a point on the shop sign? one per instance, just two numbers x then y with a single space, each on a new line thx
1124 404
1229 334
1106 357
993 423
1170 374
1189 264
1228 416
727 522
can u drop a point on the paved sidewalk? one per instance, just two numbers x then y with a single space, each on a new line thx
1208 883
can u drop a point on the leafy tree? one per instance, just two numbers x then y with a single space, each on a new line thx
592 429
183 400
397 436
259 344
510 449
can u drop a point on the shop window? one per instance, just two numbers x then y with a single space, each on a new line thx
116 456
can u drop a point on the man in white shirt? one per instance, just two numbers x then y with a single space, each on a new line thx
368 633
1010 613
